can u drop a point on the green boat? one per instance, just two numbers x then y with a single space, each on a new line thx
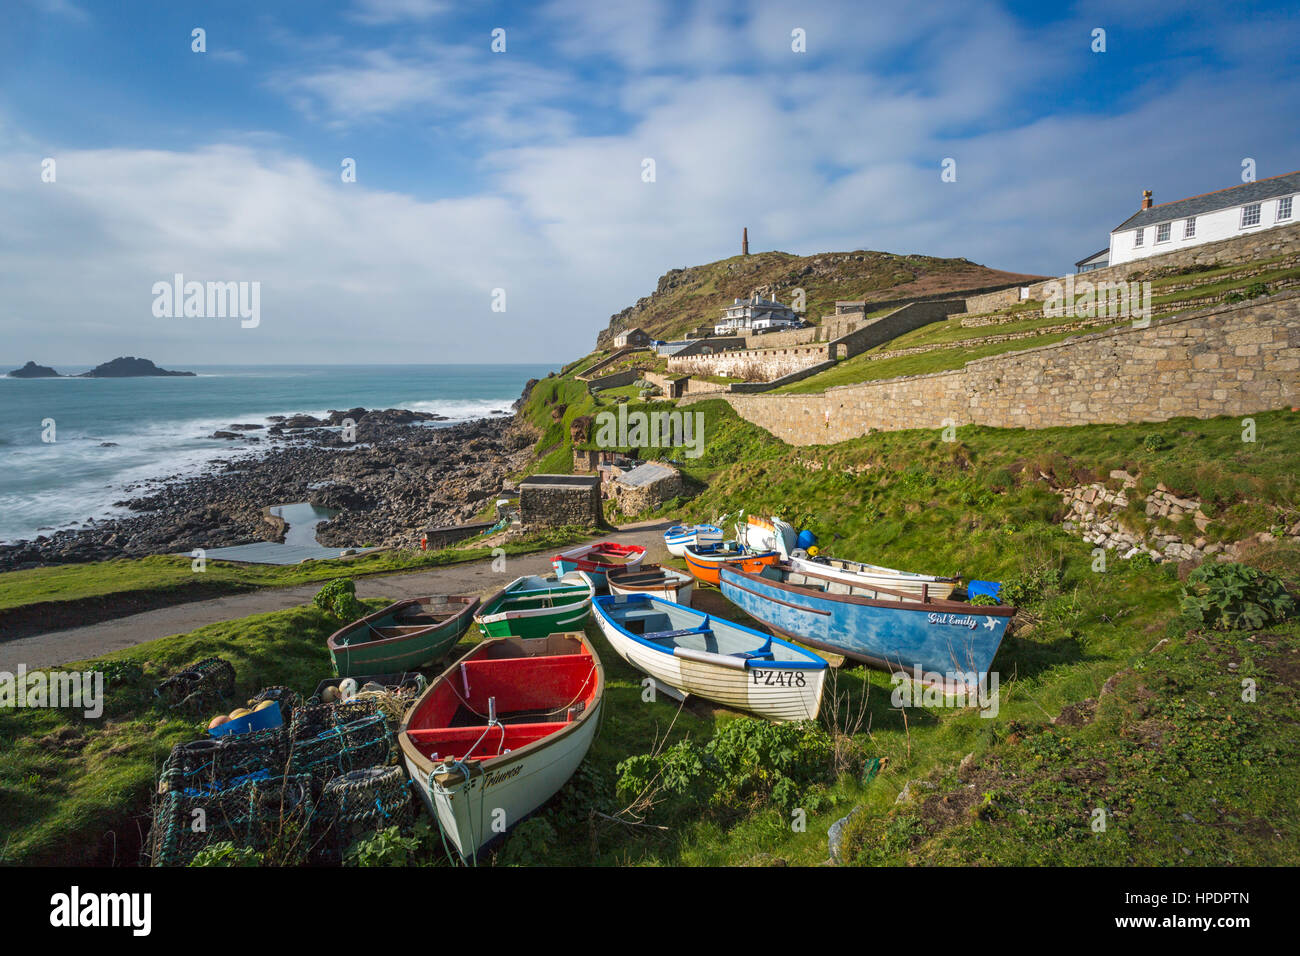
534 606
404 636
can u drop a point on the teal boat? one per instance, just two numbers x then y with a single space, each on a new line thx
404 636
534 606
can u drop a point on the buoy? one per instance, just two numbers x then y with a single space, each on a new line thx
806 539
424 543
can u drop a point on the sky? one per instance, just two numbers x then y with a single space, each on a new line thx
503 207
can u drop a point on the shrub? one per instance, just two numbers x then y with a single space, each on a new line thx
1155 442
226 853
1233 595
745 759
388 847
1030 585
338 599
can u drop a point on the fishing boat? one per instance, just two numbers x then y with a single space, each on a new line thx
887 628
500 731
534 606
915 586
598 559
667 583
404 636
687 651
679 536
704 562
779 536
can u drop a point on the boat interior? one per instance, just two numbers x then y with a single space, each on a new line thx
648 575
534 687
671 626
536 592
812 582
412 619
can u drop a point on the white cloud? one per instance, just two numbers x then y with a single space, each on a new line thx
379 12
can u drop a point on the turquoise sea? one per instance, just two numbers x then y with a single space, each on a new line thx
113 432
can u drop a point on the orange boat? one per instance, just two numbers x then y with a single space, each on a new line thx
704 562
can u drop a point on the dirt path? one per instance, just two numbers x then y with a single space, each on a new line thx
95 640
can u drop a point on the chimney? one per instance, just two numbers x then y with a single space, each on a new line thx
1146 199
744 241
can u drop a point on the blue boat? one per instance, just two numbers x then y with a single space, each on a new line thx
939 641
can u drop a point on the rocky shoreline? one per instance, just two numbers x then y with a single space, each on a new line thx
396 478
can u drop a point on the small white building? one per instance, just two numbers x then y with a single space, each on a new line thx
1223 214
756 315
631 337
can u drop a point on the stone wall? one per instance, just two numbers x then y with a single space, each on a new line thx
671 386
447 535
752 365
548 501
634 499
615 380
899 322
1228 360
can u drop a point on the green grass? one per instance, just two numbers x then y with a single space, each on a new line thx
861 368
1171 741
163 575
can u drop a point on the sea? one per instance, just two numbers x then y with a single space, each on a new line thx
70 447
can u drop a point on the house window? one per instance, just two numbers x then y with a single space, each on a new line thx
1137 237
1162 232
1189 228
1284 208
1250 215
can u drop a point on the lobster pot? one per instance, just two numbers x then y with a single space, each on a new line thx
359 804
198 686
258 813
210 765
333 739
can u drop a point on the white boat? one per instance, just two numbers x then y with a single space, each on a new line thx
667 583
500 731
779 536
919 587
680 536
687 651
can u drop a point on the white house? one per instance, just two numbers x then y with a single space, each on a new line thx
1223 214
756 315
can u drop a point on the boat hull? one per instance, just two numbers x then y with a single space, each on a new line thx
587 560
508 793
480 795
567 613
405 652
780 694
679 537
956 641
705 567
676 586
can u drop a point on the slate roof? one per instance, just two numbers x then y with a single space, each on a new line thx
646 474
1274 186
1087 259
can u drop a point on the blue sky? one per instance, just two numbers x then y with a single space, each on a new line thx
521 170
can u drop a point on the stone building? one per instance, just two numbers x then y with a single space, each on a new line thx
548 501
646 486
631 338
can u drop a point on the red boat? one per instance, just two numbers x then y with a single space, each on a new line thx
598 560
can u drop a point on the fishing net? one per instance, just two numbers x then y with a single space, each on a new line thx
332 739
198 686
211 765
268 813
359 804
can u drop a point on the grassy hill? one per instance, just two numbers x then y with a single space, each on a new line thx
686 298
